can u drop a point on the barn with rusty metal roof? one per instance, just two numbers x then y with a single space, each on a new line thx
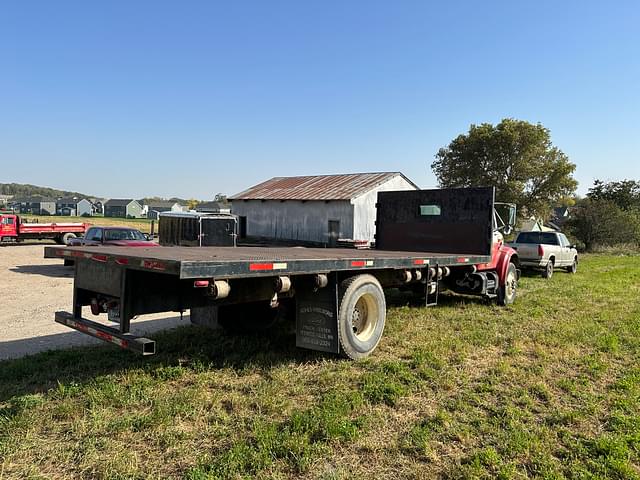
315 209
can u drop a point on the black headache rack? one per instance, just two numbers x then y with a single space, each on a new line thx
416 231
447 220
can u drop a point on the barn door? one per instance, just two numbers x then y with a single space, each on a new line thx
242 227
218 232
334 232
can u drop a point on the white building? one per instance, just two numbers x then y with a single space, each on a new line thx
319 209
155 207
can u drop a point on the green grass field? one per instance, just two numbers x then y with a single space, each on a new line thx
546 388
142 224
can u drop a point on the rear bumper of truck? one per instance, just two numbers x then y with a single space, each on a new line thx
141 345
533 263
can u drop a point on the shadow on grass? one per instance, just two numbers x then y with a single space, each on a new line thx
529 273
188 347
400 298
29 243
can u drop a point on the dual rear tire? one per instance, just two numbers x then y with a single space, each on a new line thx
362 315
66 238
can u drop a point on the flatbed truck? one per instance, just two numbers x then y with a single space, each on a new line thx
425 240
14 229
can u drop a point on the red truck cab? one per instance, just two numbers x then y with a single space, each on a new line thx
505 261
8 226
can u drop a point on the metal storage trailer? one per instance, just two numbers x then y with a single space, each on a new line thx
196 229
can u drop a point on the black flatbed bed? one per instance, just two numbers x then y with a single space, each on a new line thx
243 262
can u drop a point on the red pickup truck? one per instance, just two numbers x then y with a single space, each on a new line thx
13 229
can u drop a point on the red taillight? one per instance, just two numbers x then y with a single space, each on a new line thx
540 251
201 283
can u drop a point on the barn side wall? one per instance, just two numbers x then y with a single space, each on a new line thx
365 207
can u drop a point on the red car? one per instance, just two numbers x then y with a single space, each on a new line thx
115 236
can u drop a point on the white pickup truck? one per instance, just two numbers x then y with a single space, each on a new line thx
545 251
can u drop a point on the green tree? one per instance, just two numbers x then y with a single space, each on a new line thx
625 193
516 157
603 223
220 197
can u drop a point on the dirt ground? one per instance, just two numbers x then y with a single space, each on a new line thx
32 288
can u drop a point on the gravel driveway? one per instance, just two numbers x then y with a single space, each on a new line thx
32 288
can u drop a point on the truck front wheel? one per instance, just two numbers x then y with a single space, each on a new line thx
361 315
508 291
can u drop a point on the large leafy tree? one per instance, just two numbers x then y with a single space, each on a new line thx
516 157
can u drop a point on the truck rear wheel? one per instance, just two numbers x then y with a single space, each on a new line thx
361 315
66 237
508 291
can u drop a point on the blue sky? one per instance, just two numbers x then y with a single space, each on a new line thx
195 98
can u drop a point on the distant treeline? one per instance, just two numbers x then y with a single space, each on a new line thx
26 190
182 201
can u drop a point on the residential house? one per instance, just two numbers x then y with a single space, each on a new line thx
123 208
74 206
153 208
533 225
33 205
98 207
4 200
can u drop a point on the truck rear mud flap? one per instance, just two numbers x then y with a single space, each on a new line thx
127 341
